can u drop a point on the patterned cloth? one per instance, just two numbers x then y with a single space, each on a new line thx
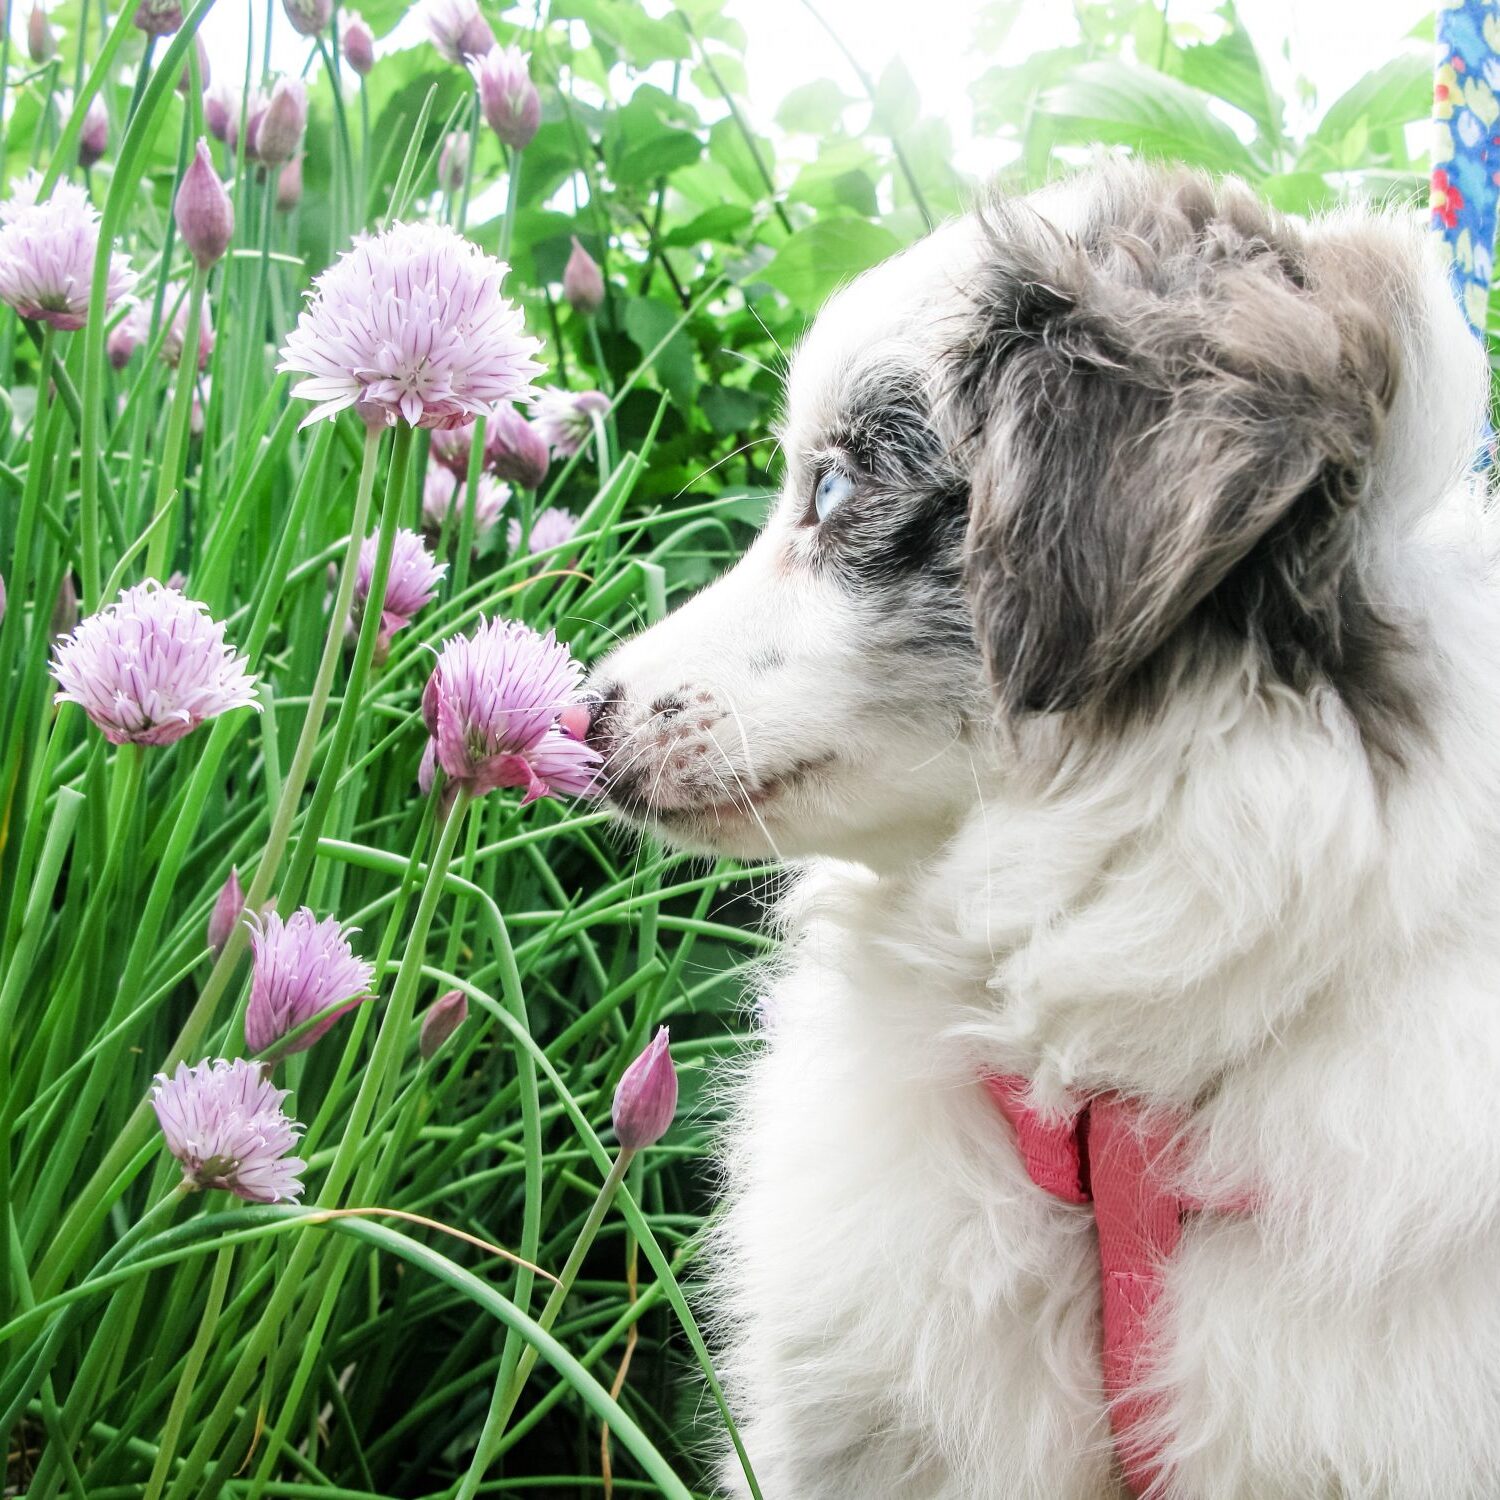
1466 147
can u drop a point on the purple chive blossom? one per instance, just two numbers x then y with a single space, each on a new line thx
583 281
457 29
175 301
442 1018
412 583
444 494
550 528
359 43
41 40
205 71
289 185
151 667
646 1096
514 450
94 139
203 210
159 17
220 115
228 908
122 340
301 967
491 707
565 419
507 95
278 132
453 161
47 254
411 324
224 1122
308 17
2 600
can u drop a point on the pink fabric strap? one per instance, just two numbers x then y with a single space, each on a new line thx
1115 1153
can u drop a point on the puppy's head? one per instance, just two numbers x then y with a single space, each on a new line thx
1054 463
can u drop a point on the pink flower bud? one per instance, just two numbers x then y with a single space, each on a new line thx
583 282
159 17
122 342
221 124
228 909
94 138
2 599
65 606
205 74
278 133
444 1016
507 95
203 210
41 44
289 185
359 44
514 450
308 17
453 161
646 1096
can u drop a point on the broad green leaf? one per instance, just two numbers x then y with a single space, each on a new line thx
728 147
897 103
1003 96
1115 103
638 38
648 322
819 258
721 224
1395 94
730 408
1231 69
814 108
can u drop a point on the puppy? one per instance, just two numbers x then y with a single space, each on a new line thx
1120 670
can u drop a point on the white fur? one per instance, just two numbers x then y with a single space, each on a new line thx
1230 910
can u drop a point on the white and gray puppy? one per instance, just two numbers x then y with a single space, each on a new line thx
1122 664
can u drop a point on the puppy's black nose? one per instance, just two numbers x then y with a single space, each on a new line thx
601 703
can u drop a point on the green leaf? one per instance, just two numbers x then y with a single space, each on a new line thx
819 258
731 409
727 146
897 102
625 28
814 109
648 322
1232 70
721 224
1115 103
645 162
1395 94
1003 96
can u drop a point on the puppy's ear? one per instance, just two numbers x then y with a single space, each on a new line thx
1167 414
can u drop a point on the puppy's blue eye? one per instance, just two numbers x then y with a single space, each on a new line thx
833 489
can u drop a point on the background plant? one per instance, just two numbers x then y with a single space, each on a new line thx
150 1345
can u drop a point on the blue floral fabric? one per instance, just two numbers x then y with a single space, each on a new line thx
1466 147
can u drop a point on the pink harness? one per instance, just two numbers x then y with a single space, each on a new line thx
1115 1154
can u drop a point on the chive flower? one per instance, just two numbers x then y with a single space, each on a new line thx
491 708
47 254
646 1096
229 907
444 494
453 161
441 1019
224 1123
278 131
457 29
511 105
565 418
411 325
159 17
359 43
549 528
203 210
514 450
175 301
583 281
151 667
301 967
93 140
411 584
308 17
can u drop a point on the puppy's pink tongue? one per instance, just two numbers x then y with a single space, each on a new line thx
574 720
